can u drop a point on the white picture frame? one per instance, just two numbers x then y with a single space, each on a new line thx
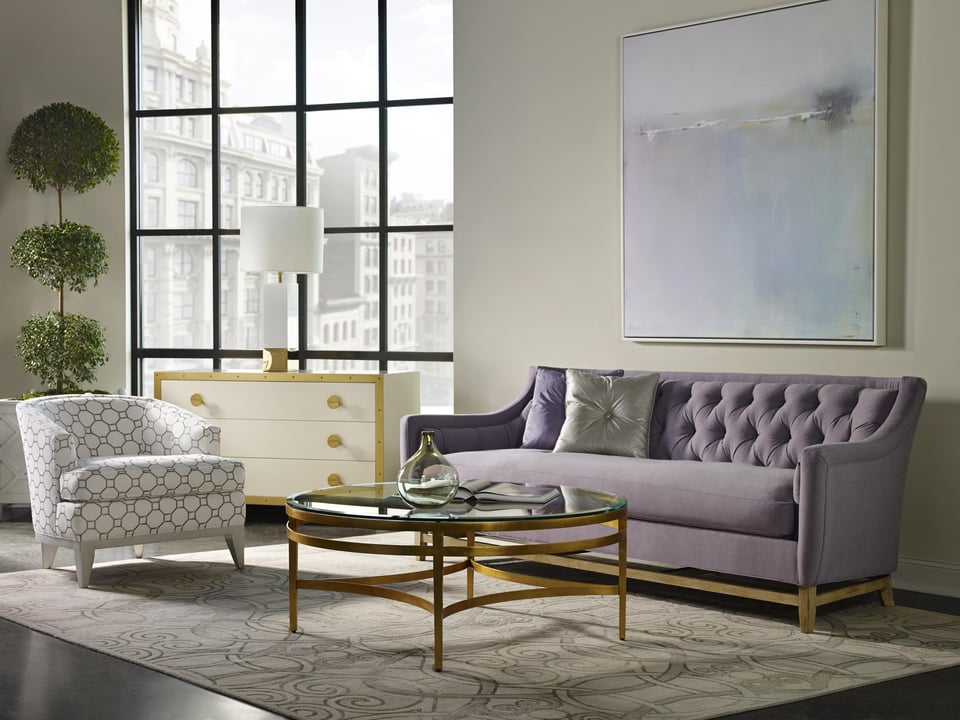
753 183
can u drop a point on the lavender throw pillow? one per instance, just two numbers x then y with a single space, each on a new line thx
548 407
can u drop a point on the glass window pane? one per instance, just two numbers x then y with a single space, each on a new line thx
343 300
258 165
240 300
419 48
342 166
148 366
257 51
341 51
343 366
436 384
176 307
421 167
258 155
175 172
243 364
175 55
420 299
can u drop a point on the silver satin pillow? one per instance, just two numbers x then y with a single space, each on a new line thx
608 415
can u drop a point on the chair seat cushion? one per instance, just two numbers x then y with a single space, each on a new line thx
125 476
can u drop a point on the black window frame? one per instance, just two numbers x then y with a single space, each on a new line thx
216 353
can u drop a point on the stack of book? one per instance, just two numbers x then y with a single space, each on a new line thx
488 491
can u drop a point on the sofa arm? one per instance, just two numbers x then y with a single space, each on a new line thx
850 498
502 428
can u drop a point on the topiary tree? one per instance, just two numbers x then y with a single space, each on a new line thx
62 146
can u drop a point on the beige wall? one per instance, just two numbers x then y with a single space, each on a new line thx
538 235
53 51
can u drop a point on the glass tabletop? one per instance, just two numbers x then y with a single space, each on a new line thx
383 500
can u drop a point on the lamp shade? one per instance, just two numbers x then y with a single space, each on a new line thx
281 239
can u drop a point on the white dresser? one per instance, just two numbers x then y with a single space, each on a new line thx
301 431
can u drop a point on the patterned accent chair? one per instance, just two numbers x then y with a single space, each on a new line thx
111 470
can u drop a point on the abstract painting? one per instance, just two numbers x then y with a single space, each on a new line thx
753 177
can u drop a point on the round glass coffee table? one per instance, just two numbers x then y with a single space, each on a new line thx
451 538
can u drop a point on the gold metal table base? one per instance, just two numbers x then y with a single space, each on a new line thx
451 540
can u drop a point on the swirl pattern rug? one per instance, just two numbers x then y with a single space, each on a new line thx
197 618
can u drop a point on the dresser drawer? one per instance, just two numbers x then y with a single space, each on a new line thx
217 399
302 439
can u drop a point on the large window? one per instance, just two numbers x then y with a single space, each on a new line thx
346 105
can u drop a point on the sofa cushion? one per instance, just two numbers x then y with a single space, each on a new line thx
121 477
722 496
548 407
608 415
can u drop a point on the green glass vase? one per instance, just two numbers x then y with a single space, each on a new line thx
427 479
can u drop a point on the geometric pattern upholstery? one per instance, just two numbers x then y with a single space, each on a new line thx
106 470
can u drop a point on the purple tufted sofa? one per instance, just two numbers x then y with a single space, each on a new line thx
794 479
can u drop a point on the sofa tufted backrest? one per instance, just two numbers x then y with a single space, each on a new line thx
763 420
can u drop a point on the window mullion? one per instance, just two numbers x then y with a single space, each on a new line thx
383 164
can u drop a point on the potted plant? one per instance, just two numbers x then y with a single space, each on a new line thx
64 147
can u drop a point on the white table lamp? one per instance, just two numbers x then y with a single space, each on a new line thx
279 239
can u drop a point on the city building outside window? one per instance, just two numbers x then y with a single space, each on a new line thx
183 262
301 116
187 214
151 167
150 78
186 174
153 212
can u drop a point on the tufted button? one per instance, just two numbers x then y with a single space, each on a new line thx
608 415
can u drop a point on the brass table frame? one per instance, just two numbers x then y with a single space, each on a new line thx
458 539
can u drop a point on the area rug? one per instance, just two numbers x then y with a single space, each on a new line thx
197 618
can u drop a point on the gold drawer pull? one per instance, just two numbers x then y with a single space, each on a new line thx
196 399
334 479
333 402
333 441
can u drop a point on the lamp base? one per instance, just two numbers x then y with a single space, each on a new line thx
275 359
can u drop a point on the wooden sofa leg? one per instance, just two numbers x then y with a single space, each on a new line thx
807 603
886 593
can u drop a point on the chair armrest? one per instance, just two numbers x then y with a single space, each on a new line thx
49 450
850 498
501 428
170 429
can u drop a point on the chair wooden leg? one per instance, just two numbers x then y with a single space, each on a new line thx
48 553
886 594
807 603
235 545
83 557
